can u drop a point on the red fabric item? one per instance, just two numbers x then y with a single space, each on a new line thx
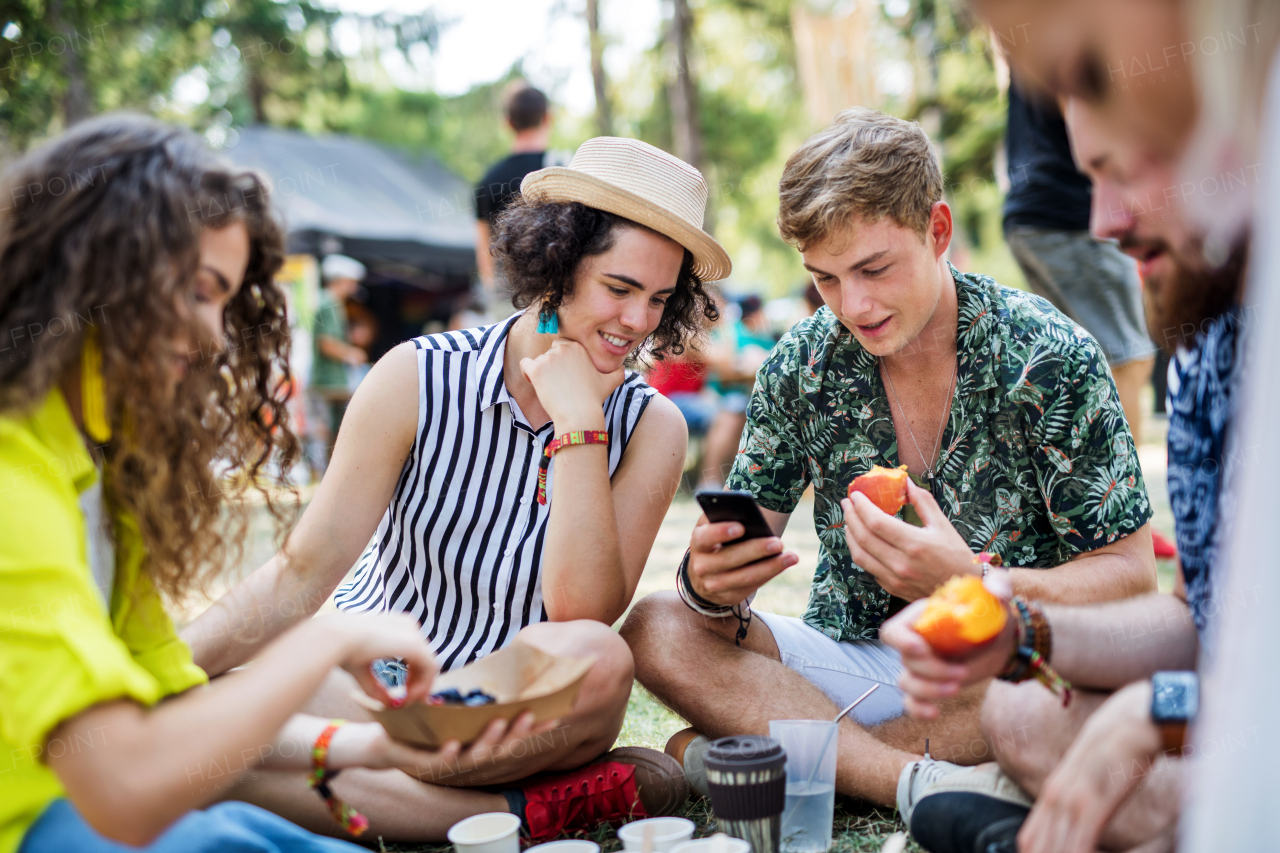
604 792
673 376
1165 550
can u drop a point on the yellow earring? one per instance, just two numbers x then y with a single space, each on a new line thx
93 395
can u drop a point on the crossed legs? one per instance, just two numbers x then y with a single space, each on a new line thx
401 808
1030 731
690 663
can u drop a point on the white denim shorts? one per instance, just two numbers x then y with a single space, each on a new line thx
841 670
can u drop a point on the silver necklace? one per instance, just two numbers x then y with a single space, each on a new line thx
932 459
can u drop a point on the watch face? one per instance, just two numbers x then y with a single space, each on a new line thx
1175 696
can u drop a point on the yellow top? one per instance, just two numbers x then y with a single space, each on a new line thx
61 652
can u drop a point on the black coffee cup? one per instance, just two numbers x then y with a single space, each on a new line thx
747 779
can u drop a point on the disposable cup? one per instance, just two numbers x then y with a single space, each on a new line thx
667 833
494 832
718 843
811 747
566 845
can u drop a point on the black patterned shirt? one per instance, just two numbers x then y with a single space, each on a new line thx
1037 462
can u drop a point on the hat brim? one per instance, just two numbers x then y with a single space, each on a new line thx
560 184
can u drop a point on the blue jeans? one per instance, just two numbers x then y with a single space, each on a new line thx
223 828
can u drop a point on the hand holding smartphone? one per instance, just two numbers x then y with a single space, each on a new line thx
735 506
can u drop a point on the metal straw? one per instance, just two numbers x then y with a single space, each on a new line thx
826 743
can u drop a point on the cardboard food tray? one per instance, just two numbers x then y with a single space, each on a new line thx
520 677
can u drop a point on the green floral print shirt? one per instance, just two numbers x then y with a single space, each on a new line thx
1037 462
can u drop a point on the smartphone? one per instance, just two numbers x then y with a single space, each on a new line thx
735 506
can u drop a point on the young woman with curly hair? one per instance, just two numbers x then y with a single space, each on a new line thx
143 347
506 484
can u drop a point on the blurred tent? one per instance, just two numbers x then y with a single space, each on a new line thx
407 218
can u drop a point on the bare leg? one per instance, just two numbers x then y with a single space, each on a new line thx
401 808
690 663
1030 731
720 447
1131 377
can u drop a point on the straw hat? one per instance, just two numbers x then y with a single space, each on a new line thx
647 185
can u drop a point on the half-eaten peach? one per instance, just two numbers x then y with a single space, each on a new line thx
960 616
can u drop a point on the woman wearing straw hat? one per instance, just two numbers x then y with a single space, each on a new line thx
509 481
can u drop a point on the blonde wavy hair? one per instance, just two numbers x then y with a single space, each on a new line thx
866 164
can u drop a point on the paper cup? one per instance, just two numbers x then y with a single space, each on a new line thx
567 845
667 833
495 832
718 843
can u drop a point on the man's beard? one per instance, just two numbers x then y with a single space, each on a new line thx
1180 306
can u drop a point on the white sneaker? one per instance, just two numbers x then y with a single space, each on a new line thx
916 778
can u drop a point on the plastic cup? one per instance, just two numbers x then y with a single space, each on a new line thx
494 832
718 843
667 833
811 747
566 845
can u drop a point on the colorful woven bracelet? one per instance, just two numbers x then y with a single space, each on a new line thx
987 560
1035 646
320 776
581 436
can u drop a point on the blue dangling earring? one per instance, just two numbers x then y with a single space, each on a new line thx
548 321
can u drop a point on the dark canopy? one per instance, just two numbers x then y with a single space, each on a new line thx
390 210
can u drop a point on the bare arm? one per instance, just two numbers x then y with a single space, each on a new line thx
484 260
1102 646
340 350
1106 646
911 562
595 558
375 440
1125 568
145 765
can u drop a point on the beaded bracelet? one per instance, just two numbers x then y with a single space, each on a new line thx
320 776
703 607
1030 658
581 436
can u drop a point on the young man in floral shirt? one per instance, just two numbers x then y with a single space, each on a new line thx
999 405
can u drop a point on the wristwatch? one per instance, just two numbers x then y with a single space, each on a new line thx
1175 699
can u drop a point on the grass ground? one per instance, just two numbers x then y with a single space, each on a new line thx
859 826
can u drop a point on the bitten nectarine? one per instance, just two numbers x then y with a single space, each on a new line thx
886 487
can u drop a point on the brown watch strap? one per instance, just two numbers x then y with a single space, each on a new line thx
1173 735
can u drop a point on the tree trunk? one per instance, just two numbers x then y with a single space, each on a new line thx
76 104
682 92
604 115
257 92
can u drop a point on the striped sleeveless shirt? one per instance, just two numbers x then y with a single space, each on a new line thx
460 546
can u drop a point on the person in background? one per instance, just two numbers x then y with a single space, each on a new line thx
528 114
738 348
1046 224
812 299
683 381
333 354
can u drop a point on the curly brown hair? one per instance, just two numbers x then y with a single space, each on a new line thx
103 236
541 244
